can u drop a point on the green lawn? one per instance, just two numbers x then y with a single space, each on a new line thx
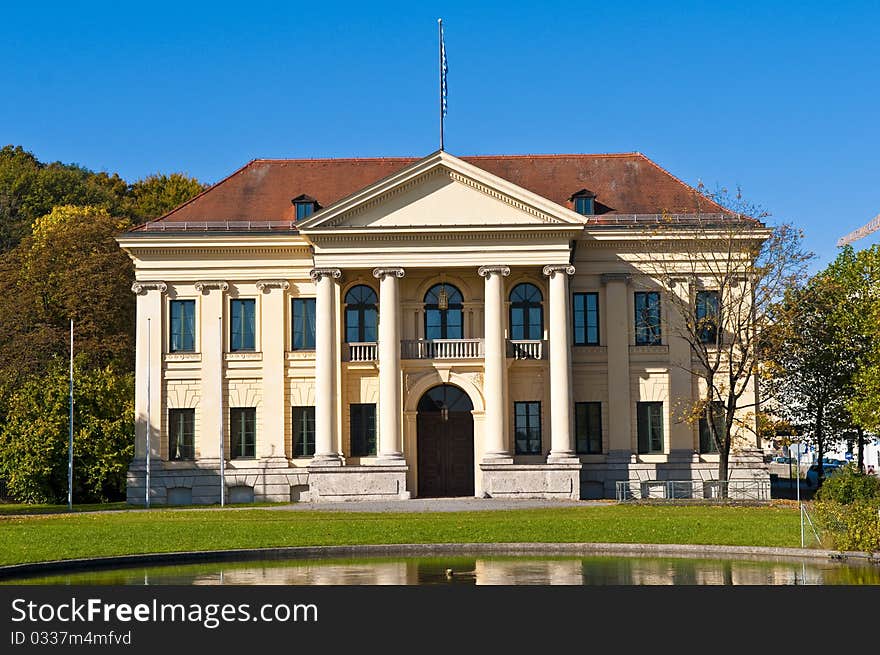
39 538
23 508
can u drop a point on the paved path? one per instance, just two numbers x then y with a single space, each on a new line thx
413 505
437 505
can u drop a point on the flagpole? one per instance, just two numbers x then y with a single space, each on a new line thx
440 58
149 413
70 438
222 454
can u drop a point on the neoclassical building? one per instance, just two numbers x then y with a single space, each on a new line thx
344 329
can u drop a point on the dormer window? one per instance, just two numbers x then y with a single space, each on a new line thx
305 206
584 202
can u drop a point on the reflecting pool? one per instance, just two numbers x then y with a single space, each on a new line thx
482 570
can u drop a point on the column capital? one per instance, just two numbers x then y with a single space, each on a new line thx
317 273
486 271
207 285
626 278
393 271
550 269
265 285
139 288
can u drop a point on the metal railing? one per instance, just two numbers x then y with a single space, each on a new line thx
525 348
692 489
363 352
441 348
212 226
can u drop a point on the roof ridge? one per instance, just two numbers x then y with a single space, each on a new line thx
410 158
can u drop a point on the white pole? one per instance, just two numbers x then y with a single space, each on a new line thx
800 507
222 455
149 414
70 437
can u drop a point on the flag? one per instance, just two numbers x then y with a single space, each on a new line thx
442 73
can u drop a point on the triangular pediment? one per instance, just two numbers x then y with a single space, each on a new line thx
441 191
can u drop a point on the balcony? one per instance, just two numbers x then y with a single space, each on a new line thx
441 349
363 352
525 349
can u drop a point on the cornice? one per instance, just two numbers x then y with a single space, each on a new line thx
445 233
140 288
238 249
503 197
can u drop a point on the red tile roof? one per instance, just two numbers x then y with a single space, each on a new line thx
626 183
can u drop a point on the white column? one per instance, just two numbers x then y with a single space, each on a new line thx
212 404
149 306
562 447
274 340
617 331
494 365
390 451
325 366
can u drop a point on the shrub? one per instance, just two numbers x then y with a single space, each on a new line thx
848 485
851 526
34 436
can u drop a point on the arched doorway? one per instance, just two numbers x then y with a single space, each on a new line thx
445 443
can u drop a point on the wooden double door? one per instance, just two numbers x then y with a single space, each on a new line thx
445 443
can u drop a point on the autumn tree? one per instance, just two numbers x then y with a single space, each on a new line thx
69 267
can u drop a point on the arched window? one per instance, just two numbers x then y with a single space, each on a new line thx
443 313
526 312
361 315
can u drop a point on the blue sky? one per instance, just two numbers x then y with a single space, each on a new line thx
779 98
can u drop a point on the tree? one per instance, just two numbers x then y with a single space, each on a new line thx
69 267
721 276
810 370
34 435
158 194
858 317
30 188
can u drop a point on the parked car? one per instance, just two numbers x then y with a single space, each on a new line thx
828 469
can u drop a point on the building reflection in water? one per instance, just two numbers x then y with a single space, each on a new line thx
600 570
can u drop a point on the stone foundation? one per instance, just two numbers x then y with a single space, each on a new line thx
341 483
198 483
556 480
598 480
274 480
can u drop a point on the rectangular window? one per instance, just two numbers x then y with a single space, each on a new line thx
181 434
707 315
304 210
243 327
303 431
707 443
243 432
586 319
363 429
527 426
183 326
650 427
583 205
588 428
647 307
303 324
